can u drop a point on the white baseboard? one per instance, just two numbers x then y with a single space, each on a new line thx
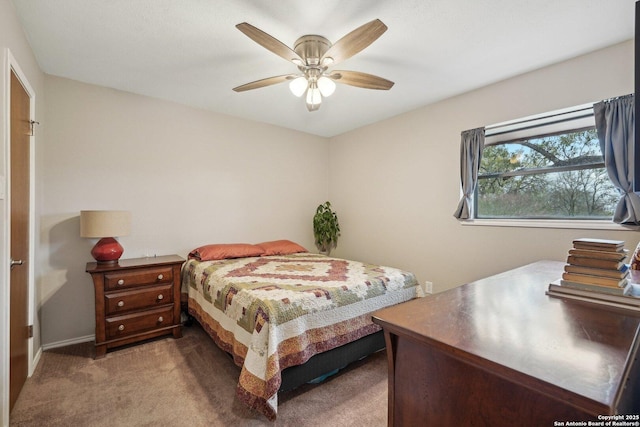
65 343
36 360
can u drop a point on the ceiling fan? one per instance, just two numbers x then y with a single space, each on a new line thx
313 55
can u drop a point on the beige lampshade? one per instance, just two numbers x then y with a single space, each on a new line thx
100 224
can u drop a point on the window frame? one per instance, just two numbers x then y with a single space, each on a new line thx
572 119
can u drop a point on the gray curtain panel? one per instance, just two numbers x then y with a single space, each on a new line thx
471 146
615 124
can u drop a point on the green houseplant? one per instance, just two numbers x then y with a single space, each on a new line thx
326 228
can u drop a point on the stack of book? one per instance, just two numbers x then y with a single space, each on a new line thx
596 272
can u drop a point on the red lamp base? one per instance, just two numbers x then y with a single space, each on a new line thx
107 250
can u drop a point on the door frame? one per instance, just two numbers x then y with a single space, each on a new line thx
11 65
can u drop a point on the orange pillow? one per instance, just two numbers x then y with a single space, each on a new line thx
280 247
225 250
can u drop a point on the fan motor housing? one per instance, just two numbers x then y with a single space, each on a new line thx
311 48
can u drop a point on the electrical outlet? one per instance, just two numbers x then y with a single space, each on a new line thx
428 287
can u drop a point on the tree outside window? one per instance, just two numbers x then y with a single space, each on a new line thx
560 176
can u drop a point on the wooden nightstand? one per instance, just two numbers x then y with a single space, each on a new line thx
136 299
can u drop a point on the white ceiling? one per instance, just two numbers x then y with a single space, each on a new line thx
189 51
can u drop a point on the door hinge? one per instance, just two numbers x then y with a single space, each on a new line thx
30 331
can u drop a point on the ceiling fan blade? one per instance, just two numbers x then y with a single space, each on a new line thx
355 41
265 82
363 80
270 43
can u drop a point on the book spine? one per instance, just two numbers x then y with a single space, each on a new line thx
620 298
596 247
594 301
592 241
614 256
614 274
613 290
594 280
592 262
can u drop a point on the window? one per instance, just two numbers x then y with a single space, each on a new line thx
545 167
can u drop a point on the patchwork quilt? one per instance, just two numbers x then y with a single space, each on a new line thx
273 312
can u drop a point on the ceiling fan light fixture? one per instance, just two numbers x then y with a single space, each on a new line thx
326 86
298 86
326 61
314 98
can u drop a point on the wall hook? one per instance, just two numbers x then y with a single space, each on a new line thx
31 127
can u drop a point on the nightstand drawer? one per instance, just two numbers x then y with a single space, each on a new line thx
123 280
121 302
128 324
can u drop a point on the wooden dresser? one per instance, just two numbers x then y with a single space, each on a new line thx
499 352
136 299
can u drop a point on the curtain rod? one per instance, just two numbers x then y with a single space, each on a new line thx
588 110
618 97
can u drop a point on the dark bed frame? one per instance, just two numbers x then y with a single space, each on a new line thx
325 363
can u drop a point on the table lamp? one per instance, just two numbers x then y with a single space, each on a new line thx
105 225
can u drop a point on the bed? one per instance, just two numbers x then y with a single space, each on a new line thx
286 315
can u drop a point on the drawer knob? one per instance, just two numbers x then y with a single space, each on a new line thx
160 277
160 297
121 328
160 319
120 303
121 282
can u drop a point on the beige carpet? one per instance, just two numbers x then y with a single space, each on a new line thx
185 382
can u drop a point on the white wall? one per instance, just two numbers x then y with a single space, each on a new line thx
188 176
395 184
